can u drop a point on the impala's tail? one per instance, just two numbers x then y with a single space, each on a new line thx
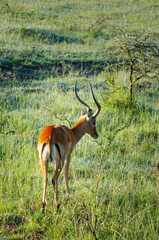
50 153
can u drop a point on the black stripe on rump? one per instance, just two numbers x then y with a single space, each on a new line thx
42 149
43 146
58 149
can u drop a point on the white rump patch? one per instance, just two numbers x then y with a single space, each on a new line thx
46 156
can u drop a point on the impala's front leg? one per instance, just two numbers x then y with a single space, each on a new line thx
66 171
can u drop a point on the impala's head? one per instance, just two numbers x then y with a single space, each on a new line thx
90 118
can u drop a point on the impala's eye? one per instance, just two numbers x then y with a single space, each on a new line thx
93 124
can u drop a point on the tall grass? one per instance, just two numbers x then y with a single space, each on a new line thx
113 181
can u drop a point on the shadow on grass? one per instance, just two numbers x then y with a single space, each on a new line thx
46 36
36 64
19 69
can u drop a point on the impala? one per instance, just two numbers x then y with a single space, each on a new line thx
57 142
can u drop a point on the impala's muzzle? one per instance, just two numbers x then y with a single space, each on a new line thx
95 134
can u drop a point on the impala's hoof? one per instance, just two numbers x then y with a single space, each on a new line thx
58 206
43 208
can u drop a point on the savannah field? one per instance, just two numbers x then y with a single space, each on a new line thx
45 46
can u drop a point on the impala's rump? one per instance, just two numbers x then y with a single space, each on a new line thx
50 154
52 140
46 147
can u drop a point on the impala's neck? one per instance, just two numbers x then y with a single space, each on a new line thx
80 128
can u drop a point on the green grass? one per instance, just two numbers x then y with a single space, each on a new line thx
45 48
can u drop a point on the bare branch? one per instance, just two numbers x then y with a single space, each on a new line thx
7 5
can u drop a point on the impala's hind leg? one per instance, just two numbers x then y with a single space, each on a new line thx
44 166
58 169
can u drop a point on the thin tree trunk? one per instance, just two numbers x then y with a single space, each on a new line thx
130 81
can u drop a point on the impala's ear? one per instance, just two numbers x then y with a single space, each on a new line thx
82 113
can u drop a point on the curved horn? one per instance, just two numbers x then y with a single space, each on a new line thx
82 102
97 103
